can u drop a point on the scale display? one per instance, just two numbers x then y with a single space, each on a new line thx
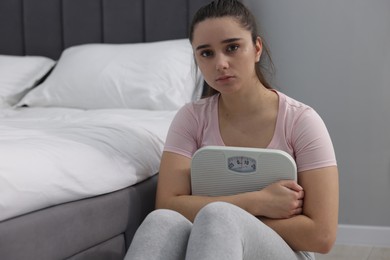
241 164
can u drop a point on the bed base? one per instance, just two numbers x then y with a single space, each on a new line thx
78 228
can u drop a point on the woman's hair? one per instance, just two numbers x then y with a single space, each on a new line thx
235 9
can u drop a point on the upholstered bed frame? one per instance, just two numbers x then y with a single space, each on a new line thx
101 227
46 27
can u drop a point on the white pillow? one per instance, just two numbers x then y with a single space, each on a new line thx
156 76
18 74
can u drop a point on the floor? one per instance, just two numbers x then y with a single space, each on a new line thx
344 252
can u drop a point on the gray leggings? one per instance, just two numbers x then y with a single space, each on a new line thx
220 231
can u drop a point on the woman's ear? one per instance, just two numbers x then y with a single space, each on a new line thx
258 48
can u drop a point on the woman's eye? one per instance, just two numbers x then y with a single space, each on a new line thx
232 48
206 53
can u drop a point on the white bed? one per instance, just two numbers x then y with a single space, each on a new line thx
58 155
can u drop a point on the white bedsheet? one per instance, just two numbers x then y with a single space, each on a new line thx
50 156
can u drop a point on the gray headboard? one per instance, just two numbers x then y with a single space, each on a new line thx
46 27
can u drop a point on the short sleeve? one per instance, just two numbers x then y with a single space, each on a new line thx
182 134
313 147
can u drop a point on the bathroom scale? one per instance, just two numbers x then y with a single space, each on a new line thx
226 170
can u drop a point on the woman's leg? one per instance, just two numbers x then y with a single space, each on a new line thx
225 231
163 235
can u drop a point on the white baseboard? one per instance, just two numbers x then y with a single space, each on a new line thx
363 235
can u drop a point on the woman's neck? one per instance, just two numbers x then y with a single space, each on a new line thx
249 101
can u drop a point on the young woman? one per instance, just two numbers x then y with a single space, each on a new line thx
285 220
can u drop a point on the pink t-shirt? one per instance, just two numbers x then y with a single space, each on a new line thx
299 131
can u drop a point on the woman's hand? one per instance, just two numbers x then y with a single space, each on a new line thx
282 199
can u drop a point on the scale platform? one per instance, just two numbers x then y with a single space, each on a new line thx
224 170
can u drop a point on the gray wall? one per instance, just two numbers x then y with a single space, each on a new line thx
335 56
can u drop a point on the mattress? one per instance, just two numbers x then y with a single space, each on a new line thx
51 156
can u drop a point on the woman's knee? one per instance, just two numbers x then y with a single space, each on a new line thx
226 216
162 223
162 235
219 212
167 218
217 206
220 208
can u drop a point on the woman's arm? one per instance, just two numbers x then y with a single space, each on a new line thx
279 200
315 229
174 187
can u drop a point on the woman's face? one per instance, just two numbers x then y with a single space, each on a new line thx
225 53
